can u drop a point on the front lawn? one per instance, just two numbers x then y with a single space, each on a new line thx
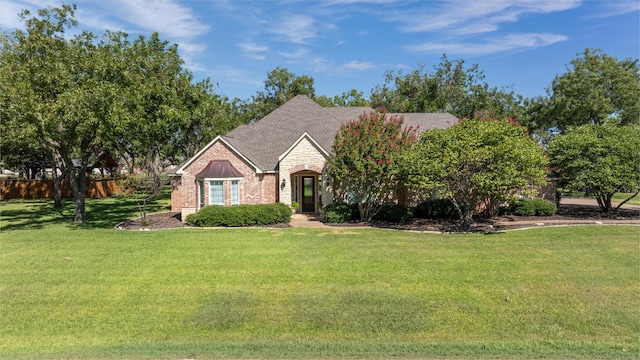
87 292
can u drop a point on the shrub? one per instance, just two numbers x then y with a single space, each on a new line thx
340 213
241 215
394 213
545 207
530 207
436 209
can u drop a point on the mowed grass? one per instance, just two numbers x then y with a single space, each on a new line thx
83 292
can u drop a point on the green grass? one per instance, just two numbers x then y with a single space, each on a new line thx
90 292
620 197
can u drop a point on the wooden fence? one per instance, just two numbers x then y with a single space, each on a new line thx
43 189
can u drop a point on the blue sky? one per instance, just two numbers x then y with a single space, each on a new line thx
347 44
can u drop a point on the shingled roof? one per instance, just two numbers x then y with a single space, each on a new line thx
263 142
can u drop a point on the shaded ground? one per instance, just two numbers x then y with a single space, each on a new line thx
571 212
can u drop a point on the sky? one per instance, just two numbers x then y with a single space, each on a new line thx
351 44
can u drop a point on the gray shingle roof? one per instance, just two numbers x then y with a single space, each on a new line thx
263 142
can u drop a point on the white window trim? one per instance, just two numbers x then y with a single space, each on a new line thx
224 180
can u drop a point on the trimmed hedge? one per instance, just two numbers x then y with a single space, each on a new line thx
240 215
530 207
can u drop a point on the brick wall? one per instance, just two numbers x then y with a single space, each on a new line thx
254 188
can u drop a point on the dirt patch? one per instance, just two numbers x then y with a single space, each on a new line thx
566 215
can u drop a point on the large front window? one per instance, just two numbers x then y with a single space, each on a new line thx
216 193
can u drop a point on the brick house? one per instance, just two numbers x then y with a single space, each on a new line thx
281 158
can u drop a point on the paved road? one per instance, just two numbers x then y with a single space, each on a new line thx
583 201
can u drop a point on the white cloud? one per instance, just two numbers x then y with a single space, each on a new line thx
490 46
468 17
253 50
298 29
357 65
297 54
615 8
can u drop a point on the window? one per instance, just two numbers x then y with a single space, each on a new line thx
235 196
216 193
201 193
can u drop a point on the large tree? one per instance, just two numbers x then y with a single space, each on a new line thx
602 158
364 166
78 95
61 88
451 87
481 161
596 89
280 86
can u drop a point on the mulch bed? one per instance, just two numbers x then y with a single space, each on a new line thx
566 215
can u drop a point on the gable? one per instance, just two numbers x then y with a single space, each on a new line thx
263 144
186 164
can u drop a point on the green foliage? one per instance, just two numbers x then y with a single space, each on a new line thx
364 165
280 86
597 89
340 213
530 207
482 160
351 98
295 205
394 213
241 215
77 95
602 158
451 88
436 209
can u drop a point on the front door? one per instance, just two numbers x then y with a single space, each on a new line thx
309 194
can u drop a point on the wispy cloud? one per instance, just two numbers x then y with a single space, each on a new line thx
253 50
467 17
169 18
297 29
615 8
490 46
357 65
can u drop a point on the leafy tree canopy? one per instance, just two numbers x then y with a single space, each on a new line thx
596 89
451 88
602 158
280 86
365 168
483 160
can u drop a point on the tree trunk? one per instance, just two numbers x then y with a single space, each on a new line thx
57 184
629 198
78 181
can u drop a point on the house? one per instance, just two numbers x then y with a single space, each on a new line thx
280 158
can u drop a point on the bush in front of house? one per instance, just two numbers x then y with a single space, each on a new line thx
240 215
530 207
340 213
436 209
394 213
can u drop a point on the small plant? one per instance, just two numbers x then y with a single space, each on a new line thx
530 207
340 213
295 206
